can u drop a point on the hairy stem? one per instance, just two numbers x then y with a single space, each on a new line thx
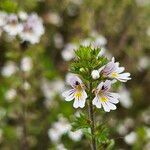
92 120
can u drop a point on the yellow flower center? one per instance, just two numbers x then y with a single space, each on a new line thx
103 98
114 75
78 94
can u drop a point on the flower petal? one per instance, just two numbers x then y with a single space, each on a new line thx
80 100
111 106
96 102
69 95
106 85
124 77
76 103
81 103
120 69
113 97
106 107
72 79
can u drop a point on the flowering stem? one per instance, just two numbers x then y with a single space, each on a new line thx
92 120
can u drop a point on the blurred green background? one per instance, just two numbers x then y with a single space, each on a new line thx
31 105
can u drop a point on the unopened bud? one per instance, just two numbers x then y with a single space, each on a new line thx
95 74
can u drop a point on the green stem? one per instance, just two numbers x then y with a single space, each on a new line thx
92 120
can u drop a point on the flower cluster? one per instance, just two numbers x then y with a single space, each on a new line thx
28 27
61 127
103 97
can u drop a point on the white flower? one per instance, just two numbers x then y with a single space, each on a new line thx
58 40
95 74
112 70
47 89
77 92
68 52
26 86
130 138
62 125
50 89
86 42
125 98
9 69
143 63
26 64
3 18
13 27
54 134
105 98
59 128
60 147
54 19
102 52
76 135
100 41
32 29
10 95
23 15
122 129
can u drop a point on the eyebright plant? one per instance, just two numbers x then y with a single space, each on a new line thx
91 79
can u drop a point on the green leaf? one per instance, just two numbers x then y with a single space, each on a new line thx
87 133
110 145
9 5
102 133
80 122
86 60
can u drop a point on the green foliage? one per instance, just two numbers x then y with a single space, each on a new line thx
102 134
80 122
87 59
9 5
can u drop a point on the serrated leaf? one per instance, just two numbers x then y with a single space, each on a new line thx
80 122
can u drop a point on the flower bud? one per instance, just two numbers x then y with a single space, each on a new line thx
95 74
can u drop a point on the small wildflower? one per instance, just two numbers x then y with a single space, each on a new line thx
32 29
105 98
113 71
130 138
95 74
10 95
22 15
9 69
76 135
68 52
59 128
26 64
77 92
125 99
13 27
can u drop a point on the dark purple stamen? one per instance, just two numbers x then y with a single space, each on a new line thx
103 87
77 83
